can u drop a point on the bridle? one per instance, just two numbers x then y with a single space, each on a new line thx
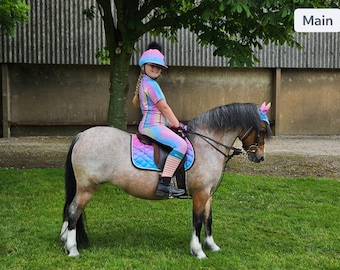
236 151
252 147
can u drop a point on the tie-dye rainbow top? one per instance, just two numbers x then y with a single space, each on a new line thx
149 94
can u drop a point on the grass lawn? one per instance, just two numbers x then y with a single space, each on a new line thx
259 223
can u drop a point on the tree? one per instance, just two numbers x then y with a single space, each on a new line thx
234 27
12 12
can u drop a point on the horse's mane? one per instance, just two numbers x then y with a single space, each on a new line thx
227 117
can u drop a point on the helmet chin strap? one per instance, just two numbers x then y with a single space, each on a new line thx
151 77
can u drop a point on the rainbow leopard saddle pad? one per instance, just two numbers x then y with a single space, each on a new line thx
151 156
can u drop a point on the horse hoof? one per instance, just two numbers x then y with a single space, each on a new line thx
212 247
74 253
198 254
201 255
74 256
209 243
215 248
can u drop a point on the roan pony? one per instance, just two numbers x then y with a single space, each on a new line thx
101 155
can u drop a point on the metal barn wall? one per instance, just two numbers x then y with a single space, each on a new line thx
319 50
59 33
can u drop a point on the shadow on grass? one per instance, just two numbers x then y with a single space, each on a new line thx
147 235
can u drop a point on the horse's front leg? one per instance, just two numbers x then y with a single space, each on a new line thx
209 242
199 201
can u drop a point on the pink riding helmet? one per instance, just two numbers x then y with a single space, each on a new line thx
153 56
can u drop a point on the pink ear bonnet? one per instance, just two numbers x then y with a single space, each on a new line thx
263 112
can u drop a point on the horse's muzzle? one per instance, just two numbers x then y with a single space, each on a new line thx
255 157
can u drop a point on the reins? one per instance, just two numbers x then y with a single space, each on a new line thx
208 140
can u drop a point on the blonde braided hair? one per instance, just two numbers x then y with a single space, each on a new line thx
135 99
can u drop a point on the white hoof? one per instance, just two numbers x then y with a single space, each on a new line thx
196 248
199 254
73 252
209 243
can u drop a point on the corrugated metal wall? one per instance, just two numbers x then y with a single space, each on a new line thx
59 33
320 50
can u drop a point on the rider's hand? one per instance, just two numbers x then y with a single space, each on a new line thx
182 127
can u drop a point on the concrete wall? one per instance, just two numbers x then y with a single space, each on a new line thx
309 102
65 99
196 90
55 99
58 94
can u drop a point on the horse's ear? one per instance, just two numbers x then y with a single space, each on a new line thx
265 108
263 112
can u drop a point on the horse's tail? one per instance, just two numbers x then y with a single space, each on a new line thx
70 192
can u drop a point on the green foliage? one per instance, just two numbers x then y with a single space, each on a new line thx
234 27
259 222
12 12
90 12
103 56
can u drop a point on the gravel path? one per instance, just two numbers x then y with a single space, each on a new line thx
294 156
305 145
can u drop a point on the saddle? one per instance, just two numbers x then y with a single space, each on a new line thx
145 148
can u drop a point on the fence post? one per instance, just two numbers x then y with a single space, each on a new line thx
277 92
6 132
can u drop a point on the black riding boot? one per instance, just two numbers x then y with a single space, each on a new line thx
164 188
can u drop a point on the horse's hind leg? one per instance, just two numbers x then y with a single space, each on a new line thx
209 242
75 210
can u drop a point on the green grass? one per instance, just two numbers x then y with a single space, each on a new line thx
259 223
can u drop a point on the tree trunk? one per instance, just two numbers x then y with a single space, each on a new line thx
119 68
119 85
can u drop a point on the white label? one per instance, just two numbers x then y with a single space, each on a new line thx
317 20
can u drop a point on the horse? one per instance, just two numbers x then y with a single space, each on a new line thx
100 155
